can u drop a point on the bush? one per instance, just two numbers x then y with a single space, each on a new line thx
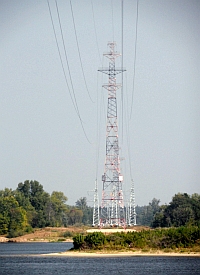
78 241
13 234
95 239
29 229
172 238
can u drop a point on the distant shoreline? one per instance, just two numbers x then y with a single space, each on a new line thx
25 240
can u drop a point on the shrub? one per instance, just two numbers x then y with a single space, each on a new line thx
78 241
95 239
13 233
172 238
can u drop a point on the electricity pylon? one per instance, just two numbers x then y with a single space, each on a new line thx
112 203
96 206
131 208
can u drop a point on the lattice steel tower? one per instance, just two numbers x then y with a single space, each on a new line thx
96 206
131 207
112 204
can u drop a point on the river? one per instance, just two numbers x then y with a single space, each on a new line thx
25 259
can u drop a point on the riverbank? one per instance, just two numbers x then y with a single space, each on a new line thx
123 254
47 234
64 234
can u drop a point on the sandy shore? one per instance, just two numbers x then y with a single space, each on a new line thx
110 230
121 254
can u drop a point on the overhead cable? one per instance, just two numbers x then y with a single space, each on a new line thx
113 30
135 55
95 31
100 112
58 48
73 99
97 130
69 69
61 31
128 132
122 60
79 51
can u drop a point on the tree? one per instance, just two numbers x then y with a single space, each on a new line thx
154 204
57 209
25 188
75 216
13 218
81 203
195 202
7 192
182 210
145 214
87 210
38 196
33 199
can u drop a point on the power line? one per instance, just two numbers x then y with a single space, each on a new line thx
122 60
97 132
112 21
75 105
136 34
95 31
101 114
79 51
61 31
69 69
128 132
73 100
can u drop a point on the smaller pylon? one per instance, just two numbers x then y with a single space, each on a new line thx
96 206
132 213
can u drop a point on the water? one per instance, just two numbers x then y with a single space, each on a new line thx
10 249
24 259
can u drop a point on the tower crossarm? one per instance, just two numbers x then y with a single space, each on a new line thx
108 70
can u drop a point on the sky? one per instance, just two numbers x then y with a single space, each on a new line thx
41 135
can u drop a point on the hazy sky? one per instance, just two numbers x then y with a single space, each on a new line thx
41 136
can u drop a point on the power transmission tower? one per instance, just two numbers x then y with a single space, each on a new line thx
96 206
112 204
131 208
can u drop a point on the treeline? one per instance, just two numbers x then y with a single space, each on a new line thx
182 210
167 239
29 206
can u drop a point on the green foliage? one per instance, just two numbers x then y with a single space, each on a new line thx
13 217
29 206
4 223
32 206
81 203
75 216
145 214
182 210
78 241
87 210
57 209
181 237
95 239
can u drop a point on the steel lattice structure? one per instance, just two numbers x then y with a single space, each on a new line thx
96 206
131 208
112 204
